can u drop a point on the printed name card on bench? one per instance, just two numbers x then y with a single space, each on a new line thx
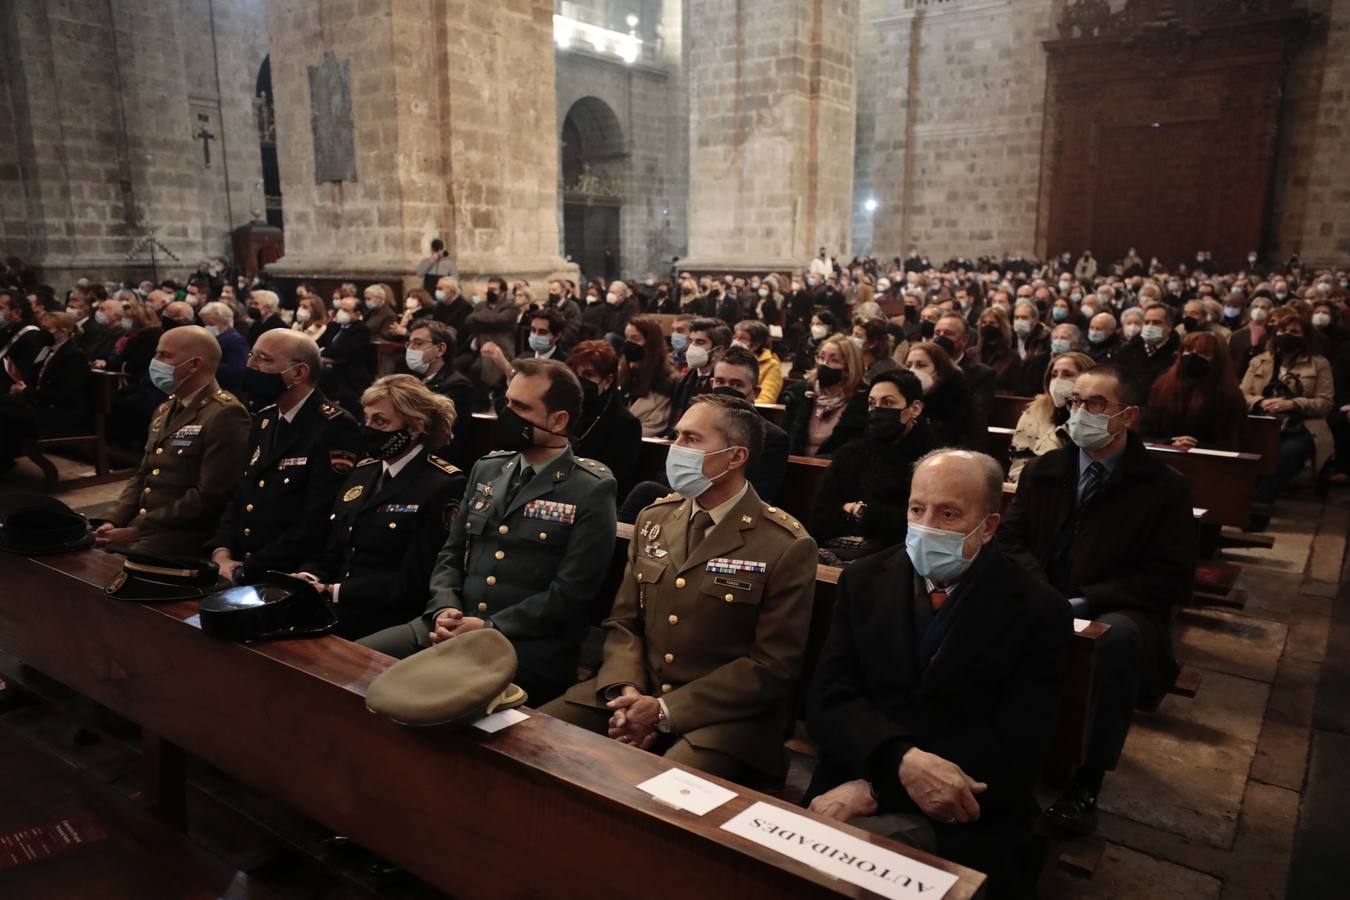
840 855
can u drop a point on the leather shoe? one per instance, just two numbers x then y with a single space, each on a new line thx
1075 812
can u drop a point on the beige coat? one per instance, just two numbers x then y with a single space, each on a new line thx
1036 435
653 411
1314 403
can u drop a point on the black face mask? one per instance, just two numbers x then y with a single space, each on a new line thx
1193 365
727 390
590 393
491 296
255 314
633 352
885 424
828 376
385 444
990 334
1288 344
265 387
947 344
511 432
911 313
1191 324
555 298
927 329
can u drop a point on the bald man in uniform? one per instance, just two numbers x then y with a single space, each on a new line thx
705 642
193 458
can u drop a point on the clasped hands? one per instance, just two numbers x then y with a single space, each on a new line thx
634 719
452 623
937 786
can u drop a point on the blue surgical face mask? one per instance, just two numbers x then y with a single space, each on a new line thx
684 470
937 554
679 342
1059 314
1058 346
162 376
1151 333
440 295
539 343
1096 337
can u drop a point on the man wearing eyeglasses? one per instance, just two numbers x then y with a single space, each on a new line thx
1109 525
301 448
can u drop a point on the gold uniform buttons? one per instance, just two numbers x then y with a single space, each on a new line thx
285 481
674 619
146 491
729 597
249 508
262 482
543 535
482 607
491 580
247 532
143 511
680 582
500 554
154 471
670 657
667 688
502 529
159 450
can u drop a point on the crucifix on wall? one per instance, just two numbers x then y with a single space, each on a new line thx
204 135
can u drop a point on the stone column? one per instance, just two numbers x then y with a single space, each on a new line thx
452 134
771 131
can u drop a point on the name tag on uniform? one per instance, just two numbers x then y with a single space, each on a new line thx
291 461
182 443
724 566
551 511
398 508
188 431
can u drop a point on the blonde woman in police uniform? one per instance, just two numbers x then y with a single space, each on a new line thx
704 645
393 512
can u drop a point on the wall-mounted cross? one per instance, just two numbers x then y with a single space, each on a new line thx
205 136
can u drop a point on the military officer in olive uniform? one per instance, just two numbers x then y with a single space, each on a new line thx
194 453
705 642
303 448
532 542
392 514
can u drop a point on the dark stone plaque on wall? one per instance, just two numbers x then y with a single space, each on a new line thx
330 117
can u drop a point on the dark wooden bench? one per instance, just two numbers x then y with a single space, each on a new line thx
533 806
102 386
100 844
1008 409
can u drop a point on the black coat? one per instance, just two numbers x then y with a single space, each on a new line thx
1143 367
1131 551
20 348
987 700
464 442
876 473
954 416
981 379
609 433
1106 350
346 352
799 405
95 340
453 313
767 474
59 396
259 327
279 515
382 544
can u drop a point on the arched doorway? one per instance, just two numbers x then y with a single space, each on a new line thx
594 169
267 144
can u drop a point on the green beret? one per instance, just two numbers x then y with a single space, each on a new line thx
458 680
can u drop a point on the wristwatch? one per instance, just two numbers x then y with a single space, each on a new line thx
662 719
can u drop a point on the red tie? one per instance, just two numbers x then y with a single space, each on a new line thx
937 598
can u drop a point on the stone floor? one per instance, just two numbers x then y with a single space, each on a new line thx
1208 799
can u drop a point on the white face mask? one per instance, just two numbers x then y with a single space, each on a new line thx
819 332
343 317
925 379
1321 320
302 314
696 356
742 344
613 299
1259 314
416 360
411 305
1060 389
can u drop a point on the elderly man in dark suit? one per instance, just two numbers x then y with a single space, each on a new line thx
938 688
952 333
1110 526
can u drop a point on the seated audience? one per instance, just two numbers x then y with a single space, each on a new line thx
736 374
311 318
380 315
949 404
952 334
646 376
1066 337
346 352
874 341
936 695
218 318
822 326
1292 382
1249 341
1032 346
710 688
418 304
996 350
264 308
133 351
1108 525
451 307
530 544
431 345
1196 403
1153 352
1103 338
753 335
828 408
391 514
605 430
866 489
1328 326
707 340
1040 428
94 337
304 447
56 401
197 448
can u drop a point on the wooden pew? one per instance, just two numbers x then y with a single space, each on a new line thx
1223 482
773 412
1007 410
533 807
1075 717
1261 435
102 386
117 848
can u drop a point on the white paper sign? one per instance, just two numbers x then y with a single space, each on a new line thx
840 855
687 791
499 720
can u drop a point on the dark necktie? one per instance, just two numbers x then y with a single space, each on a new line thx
698 529
522 478
1092 482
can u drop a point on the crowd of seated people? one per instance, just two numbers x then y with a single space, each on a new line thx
889 375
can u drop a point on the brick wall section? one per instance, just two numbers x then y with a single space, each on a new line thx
771 130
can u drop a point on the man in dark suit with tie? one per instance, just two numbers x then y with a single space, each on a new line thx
952 333
1110 526
302 448
346 356
938 688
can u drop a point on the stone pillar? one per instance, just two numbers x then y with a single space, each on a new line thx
771 131
452 134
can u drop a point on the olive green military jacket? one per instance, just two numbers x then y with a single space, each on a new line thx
719 635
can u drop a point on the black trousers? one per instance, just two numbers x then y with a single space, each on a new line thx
1128 660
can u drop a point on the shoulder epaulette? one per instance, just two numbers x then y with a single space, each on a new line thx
367 461
329 410
443 464
774 514
598 469
496 453
672 497
225 397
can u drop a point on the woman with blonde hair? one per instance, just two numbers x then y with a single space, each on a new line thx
392 515
133 351
829 407
1041 427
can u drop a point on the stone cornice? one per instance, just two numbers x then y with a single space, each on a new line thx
941 10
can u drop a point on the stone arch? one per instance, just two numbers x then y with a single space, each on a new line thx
593 171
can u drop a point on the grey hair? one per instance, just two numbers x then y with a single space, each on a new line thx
221 311
991 473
